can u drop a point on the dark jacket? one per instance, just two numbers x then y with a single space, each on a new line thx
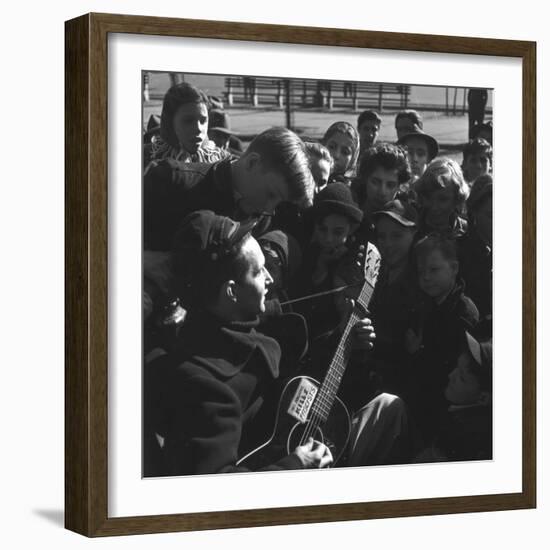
443 327
466 433
476 268
173 189
321 313
206 401
394 306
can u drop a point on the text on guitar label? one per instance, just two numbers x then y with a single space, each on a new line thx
302 400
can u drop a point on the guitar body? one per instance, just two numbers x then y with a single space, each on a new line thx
295 421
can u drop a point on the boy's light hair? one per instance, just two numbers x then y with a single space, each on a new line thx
283 152
441 173
317 151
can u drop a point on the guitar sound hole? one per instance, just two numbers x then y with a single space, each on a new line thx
297 436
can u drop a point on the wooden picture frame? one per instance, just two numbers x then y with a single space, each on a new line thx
86 279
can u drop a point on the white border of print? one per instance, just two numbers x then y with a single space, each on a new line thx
129 494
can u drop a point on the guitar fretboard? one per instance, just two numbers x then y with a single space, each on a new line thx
331 383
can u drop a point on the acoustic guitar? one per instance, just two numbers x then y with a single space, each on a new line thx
308 408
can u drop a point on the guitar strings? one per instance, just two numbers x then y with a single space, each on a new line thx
315 420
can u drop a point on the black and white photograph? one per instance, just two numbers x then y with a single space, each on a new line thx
317 273
259 289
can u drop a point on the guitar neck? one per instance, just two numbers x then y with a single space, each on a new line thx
333 378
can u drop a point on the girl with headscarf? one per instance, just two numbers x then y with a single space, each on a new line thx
342 141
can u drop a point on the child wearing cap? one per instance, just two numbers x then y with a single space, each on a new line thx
421 150
465 429
433 339
342 141
441 194
397 295
477 160
283 259
219 131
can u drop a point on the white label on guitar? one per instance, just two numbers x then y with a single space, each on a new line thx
302 400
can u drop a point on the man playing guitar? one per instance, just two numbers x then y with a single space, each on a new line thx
204 397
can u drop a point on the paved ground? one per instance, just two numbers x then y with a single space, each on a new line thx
421 95
449 130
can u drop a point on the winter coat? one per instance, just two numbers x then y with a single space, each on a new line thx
205 399
443 327
476 268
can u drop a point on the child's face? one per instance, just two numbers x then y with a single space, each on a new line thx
191 125
417 151
393 240
439 206
368 133
382 186
331 232
341 149
320 170
436 274
463 387
476 165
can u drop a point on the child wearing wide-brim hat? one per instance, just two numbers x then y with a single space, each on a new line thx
334 217
219 131
421 148
336 198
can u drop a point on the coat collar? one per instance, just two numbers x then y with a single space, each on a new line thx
227 348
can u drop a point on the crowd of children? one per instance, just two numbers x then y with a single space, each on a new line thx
429 217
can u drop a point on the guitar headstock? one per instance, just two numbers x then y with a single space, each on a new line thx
371 266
